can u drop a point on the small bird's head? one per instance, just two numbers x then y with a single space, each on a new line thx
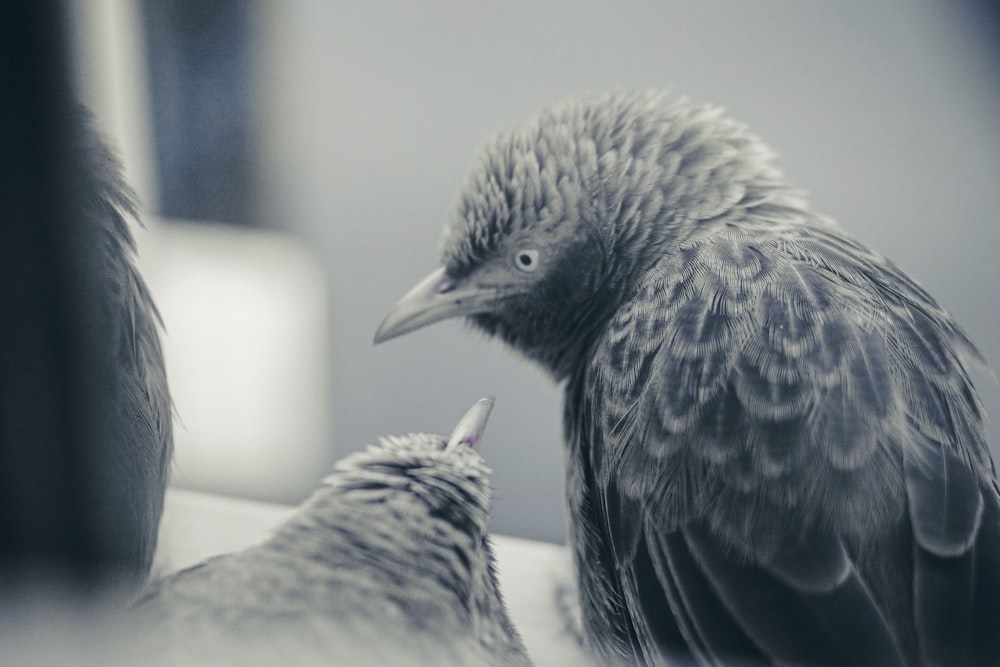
419 508
560 216
433 477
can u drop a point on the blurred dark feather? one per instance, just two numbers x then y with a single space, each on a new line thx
85 413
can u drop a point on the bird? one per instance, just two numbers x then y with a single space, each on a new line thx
136 413
775 453
388 562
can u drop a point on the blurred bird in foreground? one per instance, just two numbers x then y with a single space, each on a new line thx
388 563
134 412
775 452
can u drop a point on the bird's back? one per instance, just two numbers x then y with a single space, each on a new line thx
386 563
258 607
770 377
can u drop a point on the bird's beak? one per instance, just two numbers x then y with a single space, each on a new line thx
470 427
437 297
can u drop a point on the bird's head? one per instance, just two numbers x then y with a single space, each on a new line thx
421 502
560 217
439 478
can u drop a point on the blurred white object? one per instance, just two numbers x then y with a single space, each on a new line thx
196 526
247 359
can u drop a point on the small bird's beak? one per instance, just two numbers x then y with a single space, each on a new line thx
437 297
471 425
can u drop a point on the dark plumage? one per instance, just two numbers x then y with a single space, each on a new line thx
134 413
85 413
387 563
775 451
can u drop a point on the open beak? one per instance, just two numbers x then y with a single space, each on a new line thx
470 427
437 297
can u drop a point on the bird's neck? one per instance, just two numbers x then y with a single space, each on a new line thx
559 341
584 329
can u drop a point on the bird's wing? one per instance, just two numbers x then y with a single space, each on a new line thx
137 415
775 421
953 506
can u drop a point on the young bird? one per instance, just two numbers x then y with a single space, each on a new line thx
387 563
775 452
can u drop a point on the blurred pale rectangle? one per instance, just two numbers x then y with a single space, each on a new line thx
246 348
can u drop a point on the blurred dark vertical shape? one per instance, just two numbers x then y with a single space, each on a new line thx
985 14
201 86
54 530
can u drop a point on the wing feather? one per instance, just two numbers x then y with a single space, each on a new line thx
775 423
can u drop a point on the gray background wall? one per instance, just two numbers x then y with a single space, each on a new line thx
885 112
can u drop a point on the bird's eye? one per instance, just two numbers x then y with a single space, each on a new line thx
526 260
